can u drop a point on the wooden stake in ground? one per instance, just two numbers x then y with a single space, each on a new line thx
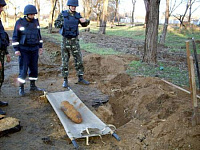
189 65
196 115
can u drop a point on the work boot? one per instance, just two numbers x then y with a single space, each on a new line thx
33 87
21 90
3 103
82 81
2 112
65 83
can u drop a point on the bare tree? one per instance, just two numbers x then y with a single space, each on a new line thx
14 6
61 5
37 5
164 32
191 2
174 5
87 8
116 11
4 14
97 6
59 9
171 6
181 17
102 28
133 2
188 8
51 16
151 35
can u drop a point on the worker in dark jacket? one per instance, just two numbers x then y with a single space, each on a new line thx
4 42
27 43
68 22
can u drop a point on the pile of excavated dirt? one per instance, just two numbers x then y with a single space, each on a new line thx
148 113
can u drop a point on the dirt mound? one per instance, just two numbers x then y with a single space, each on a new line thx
146 110
99 67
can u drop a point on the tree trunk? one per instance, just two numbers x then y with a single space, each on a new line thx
164 32
15 15
88 9
190 11
182 17
59 9
3 16
98 19
146 3
37 5
51 16
151 36
102 28
133 1
116 11
61 5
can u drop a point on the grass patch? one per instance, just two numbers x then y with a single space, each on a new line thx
176 38
89 47
55 36
170 73
136 32
93 48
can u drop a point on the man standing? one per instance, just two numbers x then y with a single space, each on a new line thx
68 21
27 43
4 42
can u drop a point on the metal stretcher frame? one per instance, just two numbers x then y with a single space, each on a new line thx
91 124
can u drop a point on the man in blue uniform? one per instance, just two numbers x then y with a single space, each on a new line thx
27 43
68 21
4 42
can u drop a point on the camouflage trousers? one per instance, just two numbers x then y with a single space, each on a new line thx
71 46
2 57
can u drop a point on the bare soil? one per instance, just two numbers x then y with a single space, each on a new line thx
148 113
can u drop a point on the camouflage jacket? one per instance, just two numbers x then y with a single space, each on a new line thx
60 21
3 37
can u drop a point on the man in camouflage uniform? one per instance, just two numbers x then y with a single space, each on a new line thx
4 42
68 21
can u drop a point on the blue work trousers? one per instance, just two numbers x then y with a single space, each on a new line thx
28 62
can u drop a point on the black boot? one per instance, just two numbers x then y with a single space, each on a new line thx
82 81
65 83
3 103
2 112
33 87
21 90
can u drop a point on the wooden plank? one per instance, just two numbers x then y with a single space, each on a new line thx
184 90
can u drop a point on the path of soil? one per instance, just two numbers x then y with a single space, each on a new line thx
148 113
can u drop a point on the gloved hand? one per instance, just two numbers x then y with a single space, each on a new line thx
17 53
85 23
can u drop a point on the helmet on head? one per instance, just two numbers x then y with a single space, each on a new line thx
30 9
2 3
72 3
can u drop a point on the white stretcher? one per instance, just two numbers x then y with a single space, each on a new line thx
91 124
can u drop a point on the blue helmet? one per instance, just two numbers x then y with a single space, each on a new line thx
72 3
30 9
2 3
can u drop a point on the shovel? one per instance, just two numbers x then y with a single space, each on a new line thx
196 115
